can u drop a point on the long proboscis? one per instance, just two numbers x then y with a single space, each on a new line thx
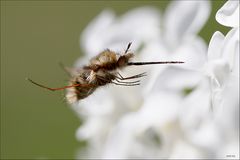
149 63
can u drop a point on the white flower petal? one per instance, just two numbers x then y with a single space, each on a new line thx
144 28
229 150
100 103
195 107
228 15
184 150
235 68
92 38
206 136
154 51
130 137
108 31
130 28
193 53
176 80
215 46
219 70
231 49
154 109
229 108
94 128
120 139
184 18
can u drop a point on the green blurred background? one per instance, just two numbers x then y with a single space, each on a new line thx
35 36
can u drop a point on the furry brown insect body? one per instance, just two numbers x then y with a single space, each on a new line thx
102 70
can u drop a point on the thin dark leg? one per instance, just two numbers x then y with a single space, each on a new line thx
118 82
120 79
125 84
132 77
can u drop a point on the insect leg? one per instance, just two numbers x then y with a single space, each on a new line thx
132 77
121 84
104 79
117 83
120 79
127 82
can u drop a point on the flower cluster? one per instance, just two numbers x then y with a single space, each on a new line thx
180 111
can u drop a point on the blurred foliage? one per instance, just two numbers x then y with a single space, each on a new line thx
187 91
35 36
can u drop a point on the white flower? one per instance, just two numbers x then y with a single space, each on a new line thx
224 76
228 15
147 133
210 114
143 121
179 41
109 31
185 111
102 110
223 63
183 20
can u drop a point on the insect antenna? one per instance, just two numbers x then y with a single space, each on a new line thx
129 45
52 89
149 63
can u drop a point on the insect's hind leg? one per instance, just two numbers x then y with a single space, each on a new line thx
118 82
127 82
122 84
121 79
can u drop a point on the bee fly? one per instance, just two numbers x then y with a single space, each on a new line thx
102 70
